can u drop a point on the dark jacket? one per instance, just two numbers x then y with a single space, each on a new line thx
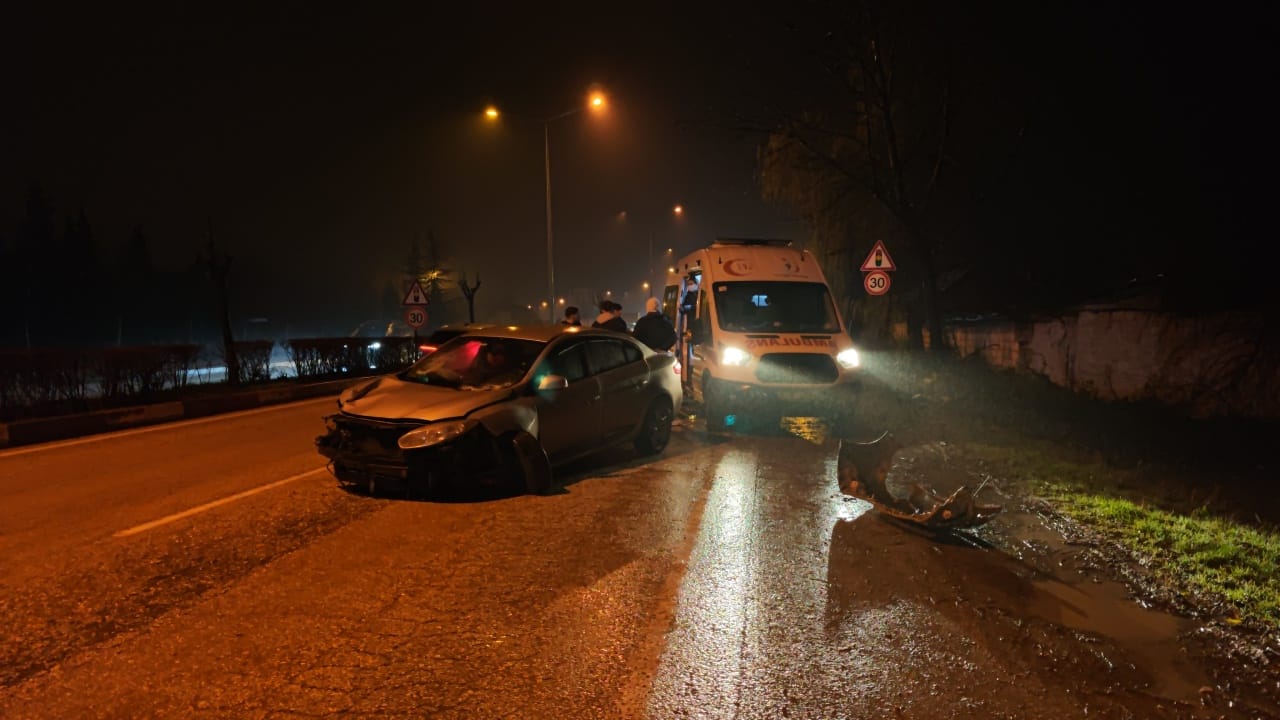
654 330
613 323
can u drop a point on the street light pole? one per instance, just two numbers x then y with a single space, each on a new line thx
597 102
650 263
551 272
649 284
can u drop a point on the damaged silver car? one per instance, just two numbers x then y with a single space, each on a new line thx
500 407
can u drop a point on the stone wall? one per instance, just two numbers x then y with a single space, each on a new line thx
1223 364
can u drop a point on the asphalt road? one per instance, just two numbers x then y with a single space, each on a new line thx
212 568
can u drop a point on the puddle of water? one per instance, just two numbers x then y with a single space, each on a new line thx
852 508
813 429
1149 637
1045 575
1104 608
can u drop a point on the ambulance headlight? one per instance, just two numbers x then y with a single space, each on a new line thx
734 356
848 359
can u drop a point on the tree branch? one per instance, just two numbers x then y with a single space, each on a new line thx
927 193
871 191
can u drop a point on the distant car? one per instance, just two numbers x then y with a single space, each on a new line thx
502 406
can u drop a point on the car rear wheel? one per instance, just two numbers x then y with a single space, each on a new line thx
655 433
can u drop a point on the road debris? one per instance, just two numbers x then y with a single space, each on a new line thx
863 469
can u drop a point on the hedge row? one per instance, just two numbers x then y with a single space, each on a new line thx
57 380
33 378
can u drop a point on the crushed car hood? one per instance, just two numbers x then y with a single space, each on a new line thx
395 399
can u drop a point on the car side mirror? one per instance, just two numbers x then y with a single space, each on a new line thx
553 382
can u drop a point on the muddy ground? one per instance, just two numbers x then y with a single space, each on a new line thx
1049 590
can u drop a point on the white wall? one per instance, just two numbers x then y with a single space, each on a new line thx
1207 365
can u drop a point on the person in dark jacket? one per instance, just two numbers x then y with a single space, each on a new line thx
610 317
654 329
571 317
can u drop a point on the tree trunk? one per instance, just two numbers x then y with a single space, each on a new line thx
228 338
932 314
916 322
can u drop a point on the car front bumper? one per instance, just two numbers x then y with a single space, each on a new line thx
365 452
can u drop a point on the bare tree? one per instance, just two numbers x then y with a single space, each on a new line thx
430 272
217 267
469 292
867 162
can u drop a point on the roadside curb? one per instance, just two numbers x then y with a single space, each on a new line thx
38 430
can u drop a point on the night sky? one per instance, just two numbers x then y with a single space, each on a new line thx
321 142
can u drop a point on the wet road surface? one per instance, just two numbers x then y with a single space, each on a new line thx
209 569
798 602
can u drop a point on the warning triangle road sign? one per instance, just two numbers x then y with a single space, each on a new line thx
415 296
878 259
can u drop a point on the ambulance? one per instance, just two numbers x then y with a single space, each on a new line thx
759 334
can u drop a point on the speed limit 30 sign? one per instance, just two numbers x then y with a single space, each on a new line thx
416 317
876 282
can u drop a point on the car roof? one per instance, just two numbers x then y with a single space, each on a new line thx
457 329
541 333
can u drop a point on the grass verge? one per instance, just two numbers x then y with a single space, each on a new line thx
1197 551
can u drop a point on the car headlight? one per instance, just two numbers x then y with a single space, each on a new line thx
848 359
433 434
734 356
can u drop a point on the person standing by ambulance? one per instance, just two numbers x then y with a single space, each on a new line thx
654 329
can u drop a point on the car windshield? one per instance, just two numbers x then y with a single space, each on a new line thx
779 307
476 363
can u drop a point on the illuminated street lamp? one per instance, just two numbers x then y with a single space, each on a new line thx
596 102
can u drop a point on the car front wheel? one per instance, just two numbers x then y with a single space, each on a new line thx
529 469
655 433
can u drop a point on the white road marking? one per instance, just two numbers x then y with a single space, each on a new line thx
211 505
59 444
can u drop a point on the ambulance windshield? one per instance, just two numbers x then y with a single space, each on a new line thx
775 307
